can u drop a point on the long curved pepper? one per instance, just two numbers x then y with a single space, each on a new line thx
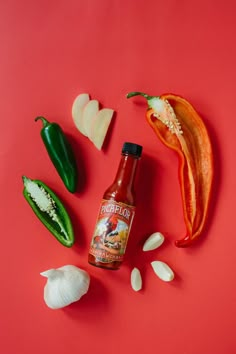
178 126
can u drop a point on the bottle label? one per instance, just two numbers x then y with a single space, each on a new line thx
111 231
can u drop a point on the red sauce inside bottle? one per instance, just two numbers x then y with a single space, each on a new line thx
116 213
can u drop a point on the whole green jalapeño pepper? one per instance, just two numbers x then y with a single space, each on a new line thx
60 153
49 209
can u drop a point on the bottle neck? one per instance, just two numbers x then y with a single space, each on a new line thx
126 172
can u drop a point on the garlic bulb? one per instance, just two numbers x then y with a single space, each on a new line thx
65 285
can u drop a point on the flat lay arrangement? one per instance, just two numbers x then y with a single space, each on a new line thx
117 156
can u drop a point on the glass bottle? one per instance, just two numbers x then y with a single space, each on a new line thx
116 213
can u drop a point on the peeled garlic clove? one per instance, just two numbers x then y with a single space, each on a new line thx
65 285
136 279
154 241
162 270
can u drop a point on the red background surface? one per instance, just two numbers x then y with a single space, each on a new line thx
50 52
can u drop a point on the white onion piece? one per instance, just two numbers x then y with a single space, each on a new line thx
89 112
77 111
100 125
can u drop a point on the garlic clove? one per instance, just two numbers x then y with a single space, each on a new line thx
163 271
65 285
136 279
154 241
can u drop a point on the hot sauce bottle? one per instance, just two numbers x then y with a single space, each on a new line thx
116 213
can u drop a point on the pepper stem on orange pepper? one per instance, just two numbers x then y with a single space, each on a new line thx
132 94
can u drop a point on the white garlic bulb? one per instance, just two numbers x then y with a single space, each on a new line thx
65 285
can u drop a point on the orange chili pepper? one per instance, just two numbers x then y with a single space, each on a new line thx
179 127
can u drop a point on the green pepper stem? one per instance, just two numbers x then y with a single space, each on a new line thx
25 179
132 94
44 120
